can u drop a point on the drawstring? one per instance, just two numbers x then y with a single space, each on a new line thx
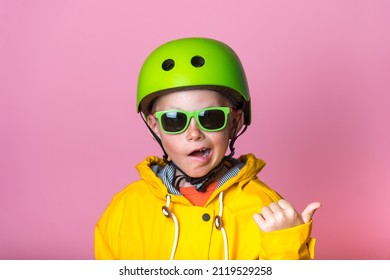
168 213
218 224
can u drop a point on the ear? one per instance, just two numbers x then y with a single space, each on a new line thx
237 122
153 124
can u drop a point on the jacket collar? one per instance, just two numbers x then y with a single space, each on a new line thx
159 175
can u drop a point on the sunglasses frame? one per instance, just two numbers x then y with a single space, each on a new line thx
195 114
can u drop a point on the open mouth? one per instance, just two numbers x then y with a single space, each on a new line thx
201 153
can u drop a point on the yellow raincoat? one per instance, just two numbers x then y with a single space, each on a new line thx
144 221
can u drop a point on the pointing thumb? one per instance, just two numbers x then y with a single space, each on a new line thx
308 213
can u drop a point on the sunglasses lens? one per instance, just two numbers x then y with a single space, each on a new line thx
212 119
173 121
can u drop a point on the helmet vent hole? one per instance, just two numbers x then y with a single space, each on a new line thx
197 61
168 64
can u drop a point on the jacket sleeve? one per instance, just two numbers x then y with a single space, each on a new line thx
288 244
102 250
104 231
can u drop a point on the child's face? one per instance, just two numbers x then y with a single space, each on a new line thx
195 151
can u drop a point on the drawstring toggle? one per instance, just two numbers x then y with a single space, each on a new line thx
218 222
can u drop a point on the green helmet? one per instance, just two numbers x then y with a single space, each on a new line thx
193 63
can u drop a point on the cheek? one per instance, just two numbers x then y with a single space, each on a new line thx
221 139
170 142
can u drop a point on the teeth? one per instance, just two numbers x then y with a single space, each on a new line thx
206 152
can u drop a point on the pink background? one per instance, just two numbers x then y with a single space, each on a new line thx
319 74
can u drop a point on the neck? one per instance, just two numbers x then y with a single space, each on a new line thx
217 177
200 182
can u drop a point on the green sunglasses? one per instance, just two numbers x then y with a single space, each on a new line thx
209 119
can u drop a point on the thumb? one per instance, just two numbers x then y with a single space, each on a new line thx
308 213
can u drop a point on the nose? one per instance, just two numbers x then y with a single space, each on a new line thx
194 132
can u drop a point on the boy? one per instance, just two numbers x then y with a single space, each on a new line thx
197 202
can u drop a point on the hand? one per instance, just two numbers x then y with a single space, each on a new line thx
283 215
